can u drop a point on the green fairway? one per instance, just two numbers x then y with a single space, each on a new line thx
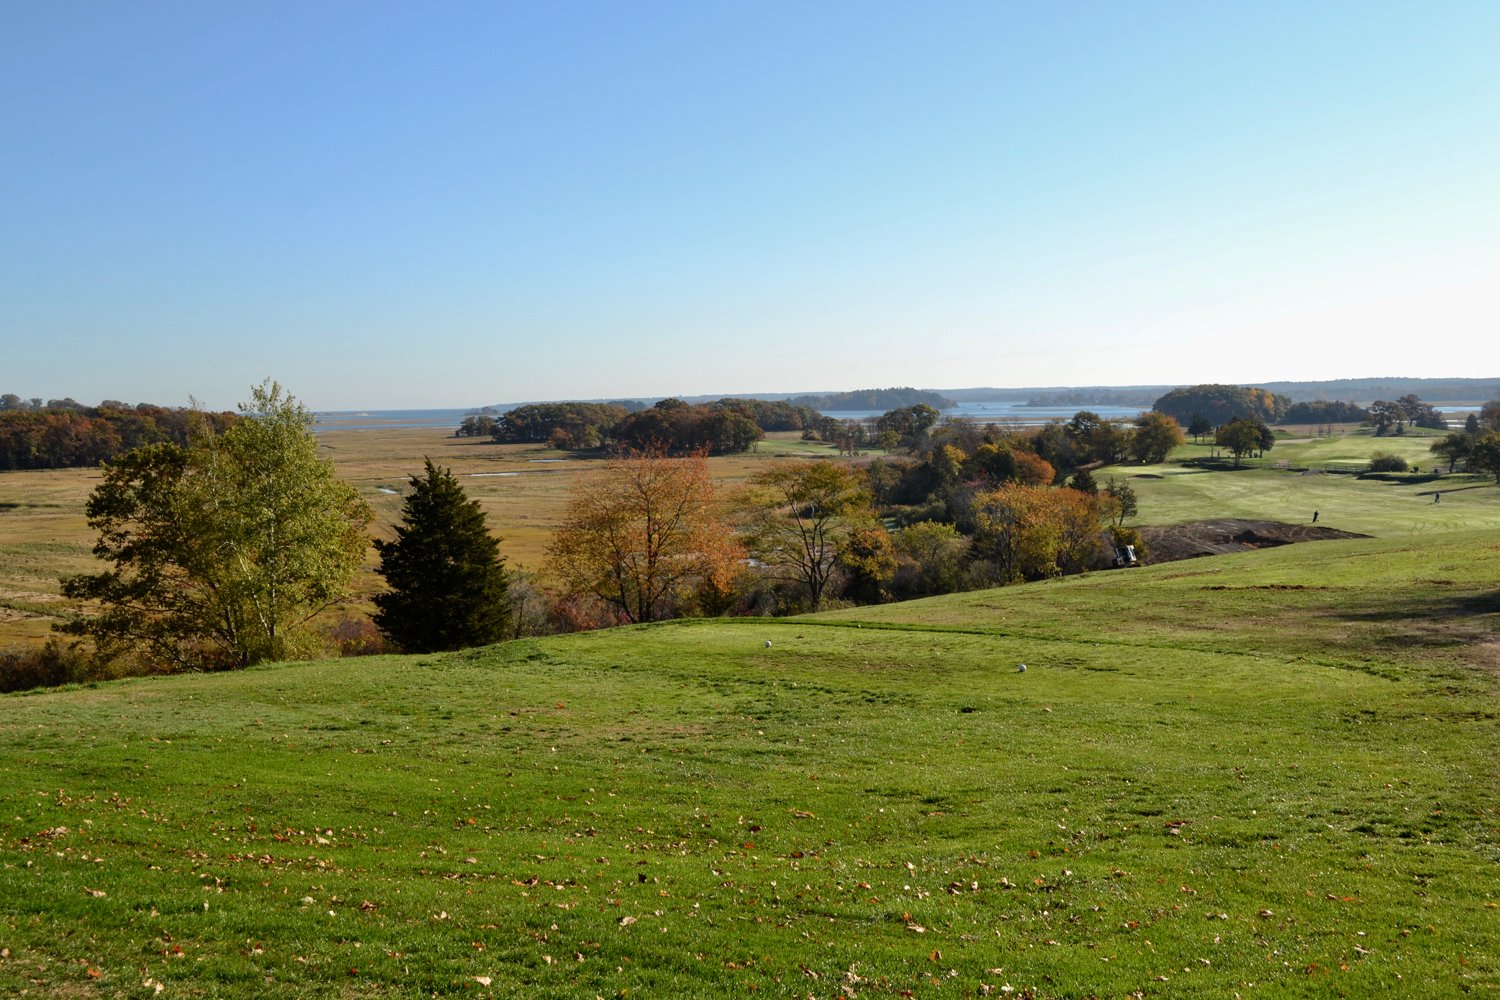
1396 507
1269 774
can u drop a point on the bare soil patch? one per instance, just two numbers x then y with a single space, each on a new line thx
1223 535
1486 655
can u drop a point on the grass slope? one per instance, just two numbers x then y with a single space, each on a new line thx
1262 775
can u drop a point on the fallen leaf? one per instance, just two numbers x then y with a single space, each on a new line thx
626 921
483 980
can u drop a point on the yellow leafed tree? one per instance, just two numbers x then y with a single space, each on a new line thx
645 537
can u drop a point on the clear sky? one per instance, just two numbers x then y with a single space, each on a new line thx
451 204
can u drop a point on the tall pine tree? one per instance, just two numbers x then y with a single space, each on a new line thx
447 577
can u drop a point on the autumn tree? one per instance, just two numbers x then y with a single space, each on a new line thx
644 536
1156 434
222 550
1220 404
1033 470
1243 436
1030 532
447 579
800 516
868 561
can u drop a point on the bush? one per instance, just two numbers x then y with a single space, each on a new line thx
358 637
54 664
1384 461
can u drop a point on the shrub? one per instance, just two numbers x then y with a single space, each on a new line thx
357 637
50 665
1384 461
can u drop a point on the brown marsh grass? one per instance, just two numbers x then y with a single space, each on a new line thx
523 489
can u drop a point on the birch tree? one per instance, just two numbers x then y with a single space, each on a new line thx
221 552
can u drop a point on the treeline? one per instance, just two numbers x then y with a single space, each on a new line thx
1322 411
970 507
1216 404
1392 416
873 399
63 434
1203 408
1453 390
674 427
562 425
725 427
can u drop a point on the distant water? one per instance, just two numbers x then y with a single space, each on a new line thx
370 420
1006 413
985 412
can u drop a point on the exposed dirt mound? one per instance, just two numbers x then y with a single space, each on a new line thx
1214 538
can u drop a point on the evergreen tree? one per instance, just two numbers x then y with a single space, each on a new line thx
1083 482
447 577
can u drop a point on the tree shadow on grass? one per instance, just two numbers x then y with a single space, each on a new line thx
1428 621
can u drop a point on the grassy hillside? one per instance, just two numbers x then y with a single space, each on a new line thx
1262 775
1404 508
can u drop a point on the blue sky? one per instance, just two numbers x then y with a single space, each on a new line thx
409 205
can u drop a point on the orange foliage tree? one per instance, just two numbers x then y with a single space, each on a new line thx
1031 532
645 537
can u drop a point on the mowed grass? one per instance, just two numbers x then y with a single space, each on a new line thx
1172 493
1269 774
1349 444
